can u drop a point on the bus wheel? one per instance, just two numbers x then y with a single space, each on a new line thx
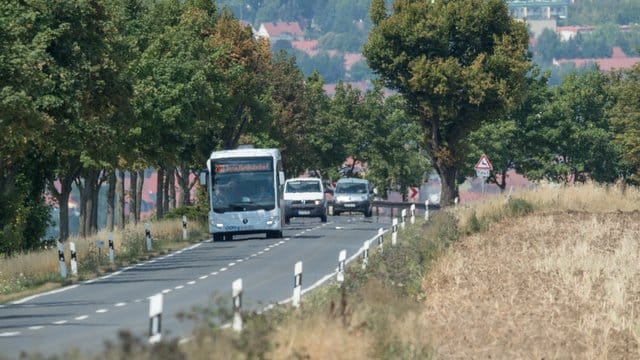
274 234
217 237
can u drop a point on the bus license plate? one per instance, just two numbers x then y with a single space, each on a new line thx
304 212
349 205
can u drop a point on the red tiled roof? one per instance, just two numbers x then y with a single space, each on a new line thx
308 46
281 28
352 58
618 60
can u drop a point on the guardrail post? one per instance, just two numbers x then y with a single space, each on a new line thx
403 216
365 254
381 239
110 238
147 235
236 294
394 231
184 227
426 210
297 284
341 260
155 318
413 213
63 265
74 259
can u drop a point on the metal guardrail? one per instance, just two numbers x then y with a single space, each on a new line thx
402 205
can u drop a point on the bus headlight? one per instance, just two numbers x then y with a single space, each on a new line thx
219 226
273 220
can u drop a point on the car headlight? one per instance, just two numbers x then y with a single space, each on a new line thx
318 202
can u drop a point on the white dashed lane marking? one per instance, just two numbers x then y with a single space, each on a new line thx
203 277
60 322
37 327
223 269
120 304
10 333
102 311
192 282
178 287
82 317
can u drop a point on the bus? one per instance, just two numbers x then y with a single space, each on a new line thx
245 193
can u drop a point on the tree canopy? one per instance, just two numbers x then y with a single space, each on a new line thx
458 64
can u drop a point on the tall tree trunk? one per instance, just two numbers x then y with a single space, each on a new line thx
448 180
133 196
111 193
87 187
139 186
159 194
120 209
62 197
172 189
165 194
182 173
95 198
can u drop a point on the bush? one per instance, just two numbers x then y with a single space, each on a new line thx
519 207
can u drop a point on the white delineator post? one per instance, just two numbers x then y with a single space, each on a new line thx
236 294
155 318
297 284
380 239
426 210
74 259
342 257
63 266
110 238
365 254
403 216
147 235
394 231
184 227
412 210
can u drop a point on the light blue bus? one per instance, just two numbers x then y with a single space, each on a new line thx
245 193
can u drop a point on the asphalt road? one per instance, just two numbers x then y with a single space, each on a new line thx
88 314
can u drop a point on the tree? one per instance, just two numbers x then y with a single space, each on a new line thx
458 64
572 132
24 124
625 119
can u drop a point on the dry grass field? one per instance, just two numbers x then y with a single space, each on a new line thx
24 274
560 283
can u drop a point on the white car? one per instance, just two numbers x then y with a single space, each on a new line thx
304 197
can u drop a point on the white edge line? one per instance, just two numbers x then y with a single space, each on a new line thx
29 298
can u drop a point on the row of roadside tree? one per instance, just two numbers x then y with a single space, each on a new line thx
94 89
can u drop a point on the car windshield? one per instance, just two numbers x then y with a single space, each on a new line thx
302 186
351 188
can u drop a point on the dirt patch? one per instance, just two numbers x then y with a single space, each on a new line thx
549 286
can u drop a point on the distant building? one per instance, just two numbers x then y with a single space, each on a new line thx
539 9
288 31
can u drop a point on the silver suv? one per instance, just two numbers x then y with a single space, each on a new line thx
352 195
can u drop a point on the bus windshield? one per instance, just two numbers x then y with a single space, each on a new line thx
243 184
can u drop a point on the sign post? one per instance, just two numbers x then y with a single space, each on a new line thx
483 169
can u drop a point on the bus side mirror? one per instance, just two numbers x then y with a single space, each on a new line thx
281 177
203 178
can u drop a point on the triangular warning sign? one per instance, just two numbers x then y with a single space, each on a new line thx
484 163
